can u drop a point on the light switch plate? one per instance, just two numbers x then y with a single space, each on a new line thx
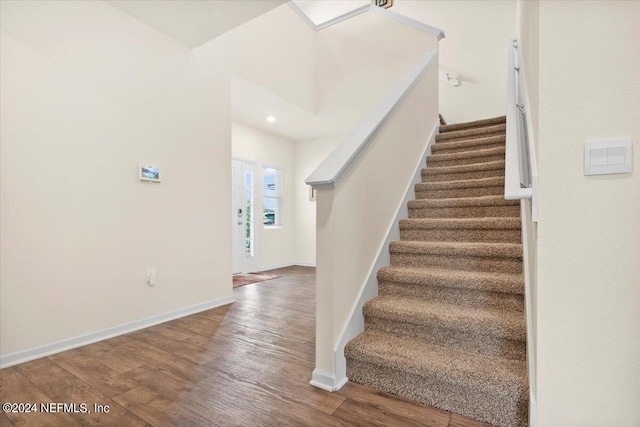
607 156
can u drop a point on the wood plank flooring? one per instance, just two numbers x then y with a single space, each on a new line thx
245 364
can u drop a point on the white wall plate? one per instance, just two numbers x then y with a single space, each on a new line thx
607 156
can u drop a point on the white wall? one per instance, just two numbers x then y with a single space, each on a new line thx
475 47
276 246
308 155
528 35
589 227
359 60
276 51
87 93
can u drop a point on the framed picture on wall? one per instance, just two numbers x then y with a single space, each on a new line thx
312 194
149 173
382 3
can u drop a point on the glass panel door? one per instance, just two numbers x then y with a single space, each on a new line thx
249 213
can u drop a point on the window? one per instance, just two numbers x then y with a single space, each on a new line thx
272 194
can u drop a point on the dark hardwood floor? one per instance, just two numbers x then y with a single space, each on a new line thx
245 364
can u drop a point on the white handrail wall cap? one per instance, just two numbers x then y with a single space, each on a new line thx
521 193
329 172
302 15
418 25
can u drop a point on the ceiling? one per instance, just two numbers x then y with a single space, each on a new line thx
194 22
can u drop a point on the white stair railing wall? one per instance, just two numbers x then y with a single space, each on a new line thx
362 187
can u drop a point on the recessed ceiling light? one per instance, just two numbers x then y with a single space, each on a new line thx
271 119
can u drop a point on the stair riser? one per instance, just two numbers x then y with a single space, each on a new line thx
462 235
493 136
444 138
505 410
467 263
458 192
472 133
466 161
465 297
427 177
444 147
445 337
466 212
513 328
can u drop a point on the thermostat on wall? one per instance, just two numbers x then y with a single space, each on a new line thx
607 157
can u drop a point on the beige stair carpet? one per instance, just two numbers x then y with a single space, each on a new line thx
448 327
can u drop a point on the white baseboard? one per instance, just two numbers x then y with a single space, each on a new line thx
288 264
305 264
22 356
326 381
355 324
275 266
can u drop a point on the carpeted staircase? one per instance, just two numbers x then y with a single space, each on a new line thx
448 325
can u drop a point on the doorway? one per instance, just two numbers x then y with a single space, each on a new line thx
243 226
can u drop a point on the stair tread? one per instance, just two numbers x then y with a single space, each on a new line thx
475 123
473 167
487 152
492 181
489 373
481 321
485 223
468 143
478 249
474 280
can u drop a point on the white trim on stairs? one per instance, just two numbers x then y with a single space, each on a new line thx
355 325
22 356
529 251
533 412
326 381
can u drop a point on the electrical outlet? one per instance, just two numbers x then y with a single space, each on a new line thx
151 276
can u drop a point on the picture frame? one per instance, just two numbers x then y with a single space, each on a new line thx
147 173
312 194
382 3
